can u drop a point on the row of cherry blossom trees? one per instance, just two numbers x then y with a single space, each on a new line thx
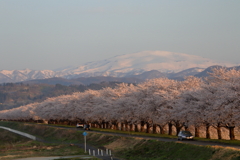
211 102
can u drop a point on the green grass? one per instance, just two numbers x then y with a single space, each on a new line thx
100 140
223 141
6 138
60 125
15 146
125 147
156 150
135 133
47 133
232 142
118 131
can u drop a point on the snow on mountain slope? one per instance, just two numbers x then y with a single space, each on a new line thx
120 66
137 63
26 74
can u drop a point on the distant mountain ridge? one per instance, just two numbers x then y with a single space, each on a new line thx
141 65
7 76
209 70
137 63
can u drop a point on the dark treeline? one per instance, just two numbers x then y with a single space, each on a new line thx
13 95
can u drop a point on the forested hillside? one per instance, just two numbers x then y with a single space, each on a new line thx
13 95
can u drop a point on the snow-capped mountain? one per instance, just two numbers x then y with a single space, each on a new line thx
137 63
119 66
27 74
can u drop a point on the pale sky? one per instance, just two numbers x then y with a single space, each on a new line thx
50 34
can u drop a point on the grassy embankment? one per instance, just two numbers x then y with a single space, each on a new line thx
129 148
223 141
14 146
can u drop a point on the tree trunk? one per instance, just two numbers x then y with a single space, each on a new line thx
136 128
126 126
154 129
207 131
122 127
219 132
178 128
119 128
107 125
131 127
114 126
197 132
231 133
169 128
161 130
142 126
97 125
102 124
148 128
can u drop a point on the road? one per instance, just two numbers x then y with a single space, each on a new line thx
105 156
194 142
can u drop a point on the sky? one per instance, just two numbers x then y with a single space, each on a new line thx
51 34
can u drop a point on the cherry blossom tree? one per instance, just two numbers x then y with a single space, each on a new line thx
157 102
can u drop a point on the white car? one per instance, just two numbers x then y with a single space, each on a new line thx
185 135
80 125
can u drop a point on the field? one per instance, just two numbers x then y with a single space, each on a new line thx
124 148
15 146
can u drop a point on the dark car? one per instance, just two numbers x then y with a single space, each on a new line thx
86 127
185 135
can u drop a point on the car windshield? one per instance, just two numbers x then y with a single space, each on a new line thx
187 133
